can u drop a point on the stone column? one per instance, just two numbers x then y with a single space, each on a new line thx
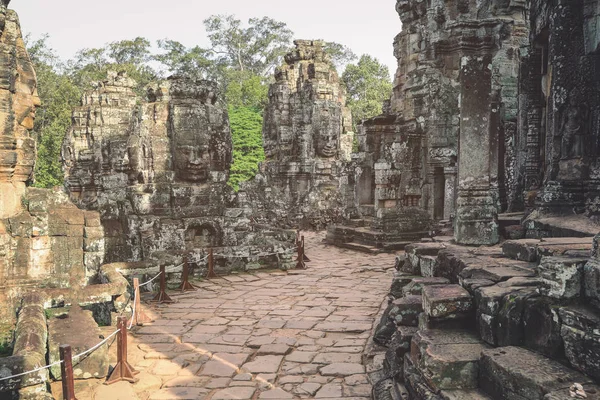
477 213
449 192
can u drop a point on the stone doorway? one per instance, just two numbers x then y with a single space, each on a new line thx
439 193
365 187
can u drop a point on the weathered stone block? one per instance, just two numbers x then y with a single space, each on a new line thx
591 281
561 277
441 301
542 327
415 287
517 373
580 333
79 330
400 280
405 310
447 359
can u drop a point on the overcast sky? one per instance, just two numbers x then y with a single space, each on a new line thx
74 24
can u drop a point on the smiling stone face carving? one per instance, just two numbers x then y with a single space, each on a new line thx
196 130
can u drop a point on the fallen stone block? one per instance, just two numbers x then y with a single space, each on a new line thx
79 330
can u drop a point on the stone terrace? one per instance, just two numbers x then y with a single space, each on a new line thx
276 335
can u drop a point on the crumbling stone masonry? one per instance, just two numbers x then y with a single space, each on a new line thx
157 172
44 239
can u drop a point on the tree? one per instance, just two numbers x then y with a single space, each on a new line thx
193 62
248 152
58 96
245 89
131 56
340 55
258 48
367 84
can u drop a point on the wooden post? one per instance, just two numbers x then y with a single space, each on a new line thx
304 251
139 317
300 258
185 276
162 296
211 265
66 371
123 371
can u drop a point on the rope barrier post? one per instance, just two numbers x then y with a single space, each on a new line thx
211 265
66 371
162 296
123 371
185 283
304 251
139 317
300 258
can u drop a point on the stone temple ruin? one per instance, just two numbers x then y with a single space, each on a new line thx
308 140
157 174
482 173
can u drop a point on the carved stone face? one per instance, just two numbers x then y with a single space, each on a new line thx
17 104
141 162
326 144
191 161
190 142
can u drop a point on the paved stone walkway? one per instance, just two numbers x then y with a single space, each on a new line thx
267 335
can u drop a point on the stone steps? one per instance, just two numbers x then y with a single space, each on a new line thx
517 373
447 359
339 235
532 250
360 247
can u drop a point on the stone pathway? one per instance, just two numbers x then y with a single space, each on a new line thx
267 335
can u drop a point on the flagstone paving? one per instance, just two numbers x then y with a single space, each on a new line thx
267 335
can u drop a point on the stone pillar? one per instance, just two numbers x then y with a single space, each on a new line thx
449 192
477 213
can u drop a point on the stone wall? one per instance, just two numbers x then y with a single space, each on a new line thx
305 179
156 169
45 240
562 97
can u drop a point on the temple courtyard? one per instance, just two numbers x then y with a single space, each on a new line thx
264 335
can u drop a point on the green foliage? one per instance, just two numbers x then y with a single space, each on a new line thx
131 56
180 60
58 95
340 55
367 84
245 89
248 152
258 47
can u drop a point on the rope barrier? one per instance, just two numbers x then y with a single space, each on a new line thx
32 371
59 362
96 346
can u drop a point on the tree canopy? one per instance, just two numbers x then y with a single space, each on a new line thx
367 84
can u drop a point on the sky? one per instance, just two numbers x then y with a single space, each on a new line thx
75 24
